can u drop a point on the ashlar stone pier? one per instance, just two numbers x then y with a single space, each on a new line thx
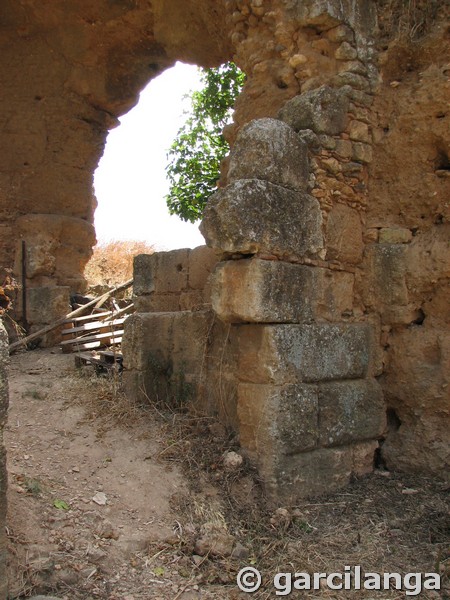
259 329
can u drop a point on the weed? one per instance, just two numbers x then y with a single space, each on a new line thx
33 486
35 394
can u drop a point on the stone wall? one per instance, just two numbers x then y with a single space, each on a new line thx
330 226
176 350
406 259
301 363
69 70
3 476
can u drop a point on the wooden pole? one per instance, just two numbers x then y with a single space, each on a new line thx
24 286
29 338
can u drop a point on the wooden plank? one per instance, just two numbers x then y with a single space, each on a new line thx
94 345
88 317
93 338
75 313
101 315
94 325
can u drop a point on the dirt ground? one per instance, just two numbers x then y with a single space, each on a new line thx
113 501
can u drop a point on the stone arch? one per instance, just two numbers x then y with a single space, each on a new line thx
70 69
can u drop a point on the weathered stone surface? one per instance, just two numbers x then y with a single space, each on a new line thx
251 216
173 281
359 131
166 272
144 266
394 235
214 540
304 353
345 52
362 152
44 306
182 358
278 419
283 421
326 14
289 478
47 304
364 457
202 261
262 291
269 150
3 475
350 411
344 239
416 384
323 110
137 339
385 285
57 247
157 303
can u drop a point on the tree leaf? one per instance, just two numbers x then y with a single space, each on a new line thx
61 505
197 151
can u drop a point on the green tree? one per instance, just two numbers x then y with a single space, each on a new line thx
197 151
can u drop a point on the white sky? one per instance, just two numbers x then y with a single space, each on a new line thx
130 181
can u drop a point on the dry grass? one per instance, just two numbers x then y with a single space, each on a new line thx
385 522
112 263
408 19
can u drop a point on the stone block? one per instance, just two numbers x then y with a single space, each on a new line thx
344 148
4 357
147 339
47 304
344 235
341 33
252 216
362 152
166 355
202 261
345 52
324 110
350 411
54 244
144 272
287 479
262 291
161 272
304 353
357 82
364 457
359 131
157 303
191 331
270 150
278 419
219 397
334 295
395 235
193 300
386 281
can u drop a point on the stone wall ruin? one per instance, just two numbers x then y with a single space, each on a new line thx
335 193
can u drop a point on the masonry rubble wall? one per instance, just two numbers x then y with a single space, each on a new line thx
316 283
3 475
301 367
332 209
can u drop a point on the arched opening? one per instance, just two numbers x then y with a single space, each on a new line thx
130 182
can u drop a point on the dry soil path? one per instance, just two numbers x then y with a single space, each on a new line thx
89 505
